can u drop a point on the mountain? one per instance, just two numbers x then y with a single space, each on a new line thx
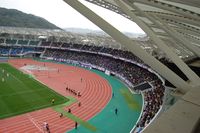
80 30
15 18
101 33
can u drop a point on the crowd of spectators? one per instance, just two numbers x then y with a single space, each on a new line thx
17 51
67 45
96 48
131 72
93 48
153 97
56 44
4 50
86 47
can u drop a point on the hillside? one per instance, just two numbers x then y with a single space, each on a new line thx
101 33
15 18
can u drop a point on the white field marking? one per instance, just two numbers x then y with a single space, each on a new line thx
33 121
37 67
16 78
26 70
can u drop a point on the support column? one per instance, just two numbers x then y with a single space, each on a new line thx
129 44
195 80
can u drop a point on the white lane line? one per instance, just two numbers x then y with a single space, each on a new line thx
34 122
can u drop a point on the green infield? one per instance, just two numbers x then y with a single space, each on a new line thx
20 93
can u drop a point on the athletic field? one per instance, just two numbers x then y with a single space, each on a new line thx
20 93
100 95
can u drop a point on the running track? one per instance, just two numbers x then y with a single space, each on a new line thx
96 93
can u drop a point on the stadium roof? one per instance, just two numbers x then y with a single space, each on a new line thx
175 21
183 16
173 27
33 31
58 35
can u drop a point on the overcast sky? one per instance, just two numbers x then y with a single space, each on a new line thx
62 15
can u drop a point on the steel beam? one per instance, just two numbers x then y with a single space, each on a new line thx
194 79
129 44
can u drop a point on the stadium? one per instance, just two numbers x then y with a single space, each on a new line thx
56 81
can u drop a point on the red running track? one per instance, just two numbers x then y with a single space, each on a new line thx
96 93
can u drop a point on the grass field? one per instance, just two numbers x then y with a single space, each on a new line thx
20 93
